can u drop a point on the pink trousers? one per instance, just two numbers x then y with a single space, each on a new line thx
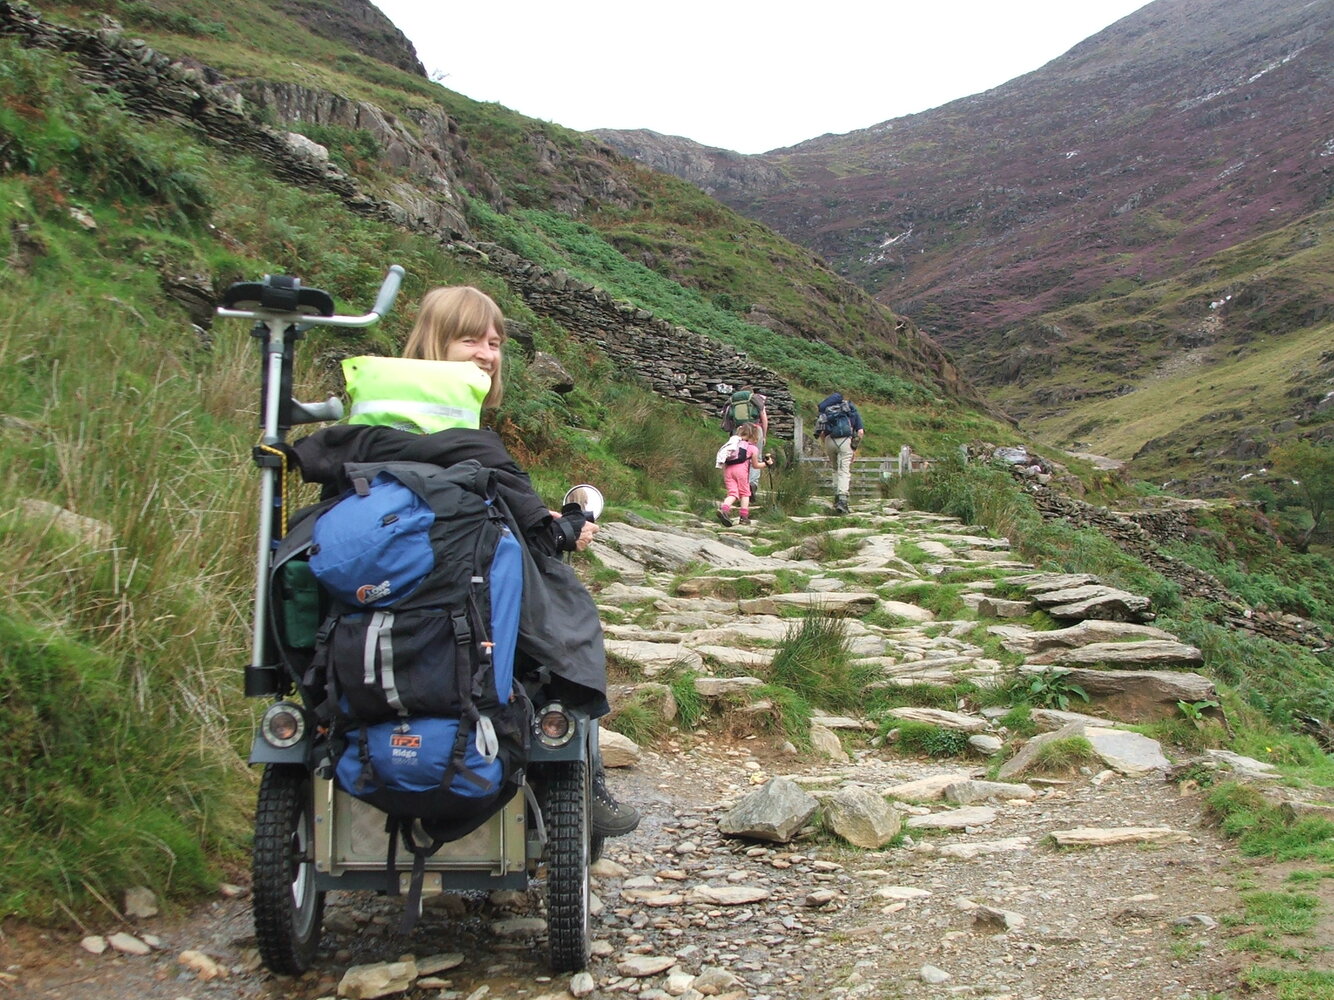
736 479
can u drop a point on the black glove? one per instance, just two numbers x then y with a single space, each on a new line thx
569 526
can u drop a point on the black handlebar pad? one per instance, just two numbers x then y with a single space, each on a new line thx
278 293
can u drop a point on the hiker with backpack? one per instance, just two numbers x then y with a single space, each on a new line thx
738 456
426 407
839 429
747 406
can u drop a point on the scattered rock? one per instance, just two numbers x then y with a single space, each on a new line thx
775 811
1103 837
128 944
861 817
140 903
202 965
365 982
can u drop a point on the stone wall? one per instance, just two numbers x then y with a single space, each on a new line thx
669 359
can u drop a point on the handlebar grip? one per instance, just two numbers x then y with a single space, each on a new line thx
388 291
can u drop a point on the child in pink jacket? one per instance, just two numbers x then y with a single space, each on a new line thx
736 458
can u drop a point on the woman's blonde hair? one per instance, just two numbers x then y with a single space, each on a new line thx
450 314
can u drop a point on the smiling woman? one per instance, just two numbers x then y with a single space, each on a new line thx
755 82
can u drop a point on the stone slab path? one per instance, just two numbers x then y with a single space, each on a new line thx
977 900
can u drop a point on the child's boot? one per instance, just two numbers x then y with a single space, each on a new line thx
725 515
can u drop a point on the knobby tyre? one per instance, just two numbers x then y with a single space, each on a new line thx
567 866
288 910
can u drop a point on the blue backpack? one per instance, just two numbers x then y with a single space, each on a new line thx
412 666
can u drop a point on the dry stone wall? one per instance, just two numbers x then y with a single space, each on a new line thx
671 360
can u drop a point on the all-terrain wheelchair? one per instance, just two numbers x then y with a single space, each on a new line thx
311 835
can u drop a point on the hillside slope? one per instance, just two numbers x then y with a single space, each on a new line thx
1113 177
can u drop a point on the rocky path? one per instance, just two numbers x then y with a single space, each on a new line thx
974 899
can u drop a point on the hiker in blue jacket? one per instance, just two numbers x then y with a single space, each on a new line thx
426 407
839 429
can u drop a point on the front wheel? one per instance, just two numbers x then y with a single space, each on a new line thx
288 910
567 865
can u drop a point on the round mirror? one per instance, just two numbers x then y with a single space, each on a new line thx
588 497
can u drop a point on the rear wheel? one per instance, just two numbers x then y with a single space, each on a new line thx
567 865
288 910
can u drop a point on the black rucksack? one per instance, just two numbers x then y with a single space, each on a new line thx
412 666
740 409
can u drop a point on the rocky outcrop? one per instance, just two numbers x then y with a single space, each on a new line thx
1130 533
719 173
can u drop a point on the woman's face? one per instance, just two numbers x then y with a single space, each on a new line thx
483 350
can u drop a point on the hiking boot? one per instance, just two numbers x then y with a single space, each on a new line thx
841 505
745 519
606 816
722 516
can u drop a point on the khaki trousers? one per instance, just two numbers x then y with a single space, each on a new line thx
840 454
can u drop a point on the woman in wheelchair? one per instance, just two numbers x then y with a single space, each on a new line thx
426 407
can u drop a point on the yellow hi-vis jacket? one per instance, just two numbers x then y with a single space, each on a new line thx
413 395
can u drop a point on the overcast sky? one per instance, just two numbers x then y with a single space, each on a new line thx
739 74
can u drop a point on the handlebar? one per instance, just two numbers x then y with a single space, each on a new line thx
246 293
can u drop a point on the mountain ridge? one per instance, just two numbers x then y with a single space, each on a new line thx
1185 129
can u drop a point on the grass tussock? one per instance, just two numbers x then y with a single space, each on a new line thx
1064 756
926 740
814 661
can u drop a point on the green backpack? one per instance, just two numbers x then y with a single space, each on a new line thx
742 409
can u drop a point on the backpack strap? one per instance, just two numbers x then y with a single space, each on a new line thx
400 827
367 774
466 653
380 637
320 673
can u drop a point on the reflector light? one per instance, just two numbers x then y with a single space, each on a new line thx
554 727
283 725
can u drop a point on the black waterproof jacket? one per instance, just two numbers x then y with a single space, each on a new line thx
559 628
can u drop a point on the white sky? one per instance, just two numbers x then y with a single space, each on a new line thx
739 74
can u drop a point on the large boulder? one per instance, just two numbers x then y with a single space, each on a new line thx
1140 695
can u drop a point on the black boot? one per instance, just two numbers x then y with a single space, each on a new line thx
607 817
841 504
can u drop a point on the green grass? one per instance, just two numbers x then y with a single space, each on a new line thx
1281 912
928 740
941 598
1064 756
1302 984
1261 830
